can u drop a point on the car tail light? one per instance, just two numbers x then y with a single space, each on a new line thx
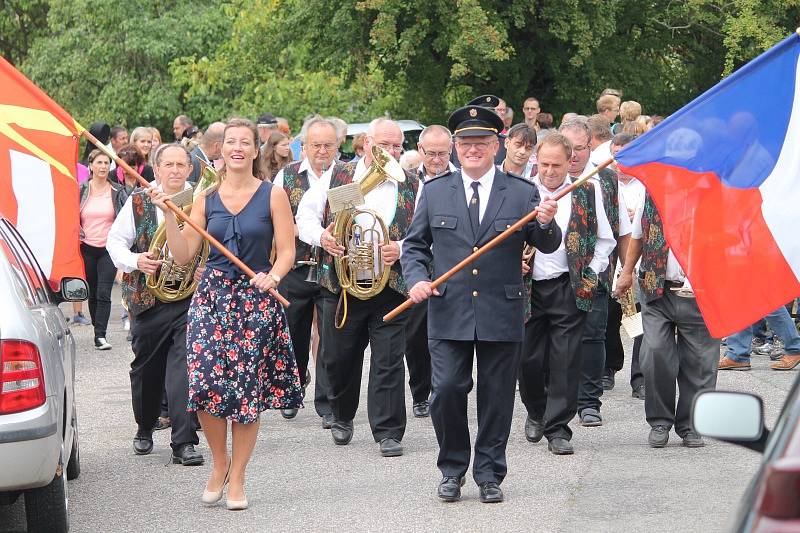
21 378
780 493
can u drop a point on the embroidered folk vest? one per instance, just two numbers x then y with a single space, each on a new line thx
406 195
134 290
653 268
610 189
296 183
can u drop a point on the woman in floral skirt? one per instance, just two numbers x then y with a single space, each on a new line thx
239 353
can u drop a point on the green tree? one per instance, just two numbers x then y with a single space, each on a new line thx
21 22
109 61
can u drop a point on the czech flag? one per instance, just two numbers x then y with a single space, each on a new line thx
38 174
724 173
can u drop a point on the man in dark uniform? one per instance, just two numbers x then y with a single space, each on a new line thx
491 102
457 213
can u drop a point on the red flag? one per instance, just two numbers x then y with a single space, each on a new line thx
38 174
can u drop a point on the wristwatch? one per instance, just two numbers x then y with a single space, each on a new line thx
275 278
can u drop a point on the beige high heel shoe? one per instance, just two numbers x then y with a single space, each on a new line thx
212 497
236 505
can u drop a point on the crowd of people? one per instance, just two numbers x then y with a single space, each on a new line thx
541 311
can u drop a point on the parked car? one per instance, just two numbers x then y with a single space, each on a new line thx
38 421
411 130
772 500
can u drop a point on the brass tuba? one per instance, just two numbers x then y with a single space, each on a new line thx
172 282
362 232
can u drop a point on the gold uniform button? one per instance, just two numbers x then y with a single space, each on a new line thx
474 271
474 293
475 249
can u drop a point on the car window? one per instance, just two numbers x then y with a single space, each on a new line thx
18 277
25 258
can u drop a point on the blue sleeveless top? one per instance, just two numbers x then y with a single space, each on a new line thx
247 234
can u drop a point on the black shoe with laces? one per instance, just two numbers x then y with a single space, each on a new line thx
186 455
422 409
143 442
450 488
491 492
659 437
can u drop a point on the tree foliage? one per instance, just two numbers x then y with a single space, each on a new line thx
140 62
21 22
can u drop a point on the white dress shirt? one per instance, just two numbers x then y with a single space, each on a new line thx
382 199
123 234
549 266
484 190
601 154
312 176
634 192
674 270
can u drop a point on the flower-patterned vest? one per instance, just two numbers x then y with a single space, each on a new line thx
406 195
609 186
653 268
579 242
134 290
296 183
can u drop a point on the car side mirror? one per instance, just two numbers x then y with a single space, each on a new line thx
734 417
73 290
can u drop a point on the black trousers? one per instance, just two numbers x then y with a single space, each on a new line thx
615 354
344 359
100 273
418 356
304 298
451 365
550 367
159 348
593 352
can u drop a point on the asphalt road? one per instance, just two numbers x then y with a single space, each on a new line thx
299 480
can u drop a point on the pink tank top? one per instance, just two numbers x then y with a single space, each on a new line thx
97 216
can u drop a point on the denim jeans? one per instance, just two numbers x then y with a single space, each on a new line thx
780 322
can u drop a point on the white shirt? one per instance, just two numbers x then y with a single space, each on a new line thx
382 199
625 226
421 168
634 192
549 266
484 190
674 270
123 234
601 154
312 176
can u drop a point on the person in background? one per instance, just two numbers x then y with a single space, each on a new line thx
608 106
410 161
142 140
209 150
266 124
101 199
154 145
358 146
134 158
531 110
119 138
283 126
275 154
179 125
545 122
629 111
508 119
520 143
341 134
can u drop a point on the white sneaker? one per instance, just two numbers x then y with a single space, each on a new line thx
101 343
126 324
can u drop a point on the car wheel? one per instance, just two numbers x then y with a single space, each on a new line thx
74 465
46 508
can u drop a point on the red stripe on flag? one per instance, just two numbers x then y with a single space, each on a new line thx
737 271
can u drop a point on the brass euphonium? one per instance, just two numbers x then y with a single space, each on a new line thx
362 232
173 282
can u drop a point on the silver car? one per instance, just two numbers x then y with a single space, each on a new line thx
38 422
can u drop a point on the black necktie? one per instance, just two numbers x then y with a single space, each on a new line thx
474 207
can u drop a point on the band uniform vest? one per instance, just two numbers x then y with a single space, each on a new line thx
296 183
134 290
610 189
653 268
406 195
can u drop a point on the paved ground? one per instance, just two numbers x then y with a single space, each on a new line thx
298 479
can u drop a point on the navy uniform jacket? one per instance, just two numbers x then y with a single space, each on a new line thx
485 300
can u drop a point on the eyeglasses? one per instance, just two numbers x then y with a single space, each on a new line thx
389 147
478 146
436 155
319 146
530 109
580 148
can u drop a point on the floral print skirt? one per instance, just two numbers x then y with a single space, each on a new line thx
239 352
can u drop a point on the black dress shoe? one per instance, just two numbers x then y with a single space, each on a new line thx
491 492
327 421
450 488
391 448
693 440
608 379
422 409
638 392
288 414
186 455
342 432
659 436
560 446
534 430
143 442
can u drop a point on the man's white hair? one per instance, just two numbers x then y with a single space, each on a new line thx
434 128
378 122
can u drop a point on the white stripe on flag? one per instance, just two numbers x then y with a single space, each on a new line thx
781 190
32 181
